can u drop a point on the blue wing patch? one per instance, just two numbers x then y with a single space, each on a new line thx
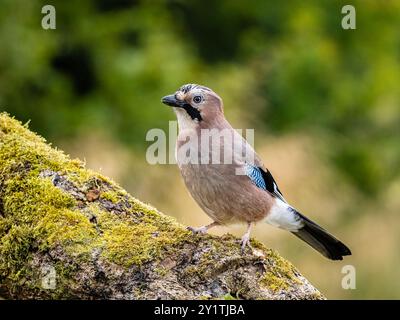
255 175
263 180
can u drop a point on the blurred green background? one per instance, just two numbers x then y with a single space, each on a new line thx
325 104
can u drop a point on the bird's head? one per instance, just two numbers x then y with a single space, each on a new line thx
195 105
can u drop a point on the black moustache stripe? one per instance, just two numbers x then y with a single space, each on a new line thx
192 112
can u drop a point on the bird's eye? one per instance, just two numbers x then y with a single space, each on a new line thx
197 99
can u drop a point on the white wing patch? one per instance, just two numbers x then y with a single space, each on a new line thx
283 216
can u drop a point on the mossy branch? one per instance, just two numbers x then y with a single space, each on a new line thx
77 229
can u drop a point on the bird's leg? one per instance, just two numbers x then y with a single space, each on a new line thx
246 237
203 229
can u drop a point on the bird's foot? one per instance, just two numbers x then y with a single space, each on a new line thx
201 230
245 242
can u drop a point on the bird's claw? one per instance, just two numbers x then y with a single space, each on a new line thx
201 230
245 242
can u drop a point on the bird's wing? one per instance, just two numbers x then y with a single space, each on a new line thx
264 180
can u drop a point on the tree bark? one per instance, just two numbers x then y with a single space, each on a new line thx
67 232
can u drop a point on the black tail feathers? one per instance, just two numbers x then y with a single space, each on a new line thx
321 240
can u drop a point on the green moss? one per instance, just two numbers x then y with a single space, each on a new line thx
110 196
228 296
161 271
68 228
14 249
280 274
274 282
128 243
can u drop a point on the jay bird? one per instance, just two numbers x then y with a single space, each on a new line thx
239 190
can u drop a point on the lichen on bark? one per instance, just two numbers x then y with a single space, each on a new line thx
104 244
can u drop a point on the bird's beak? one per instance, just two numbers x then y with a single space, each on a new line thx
171 101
